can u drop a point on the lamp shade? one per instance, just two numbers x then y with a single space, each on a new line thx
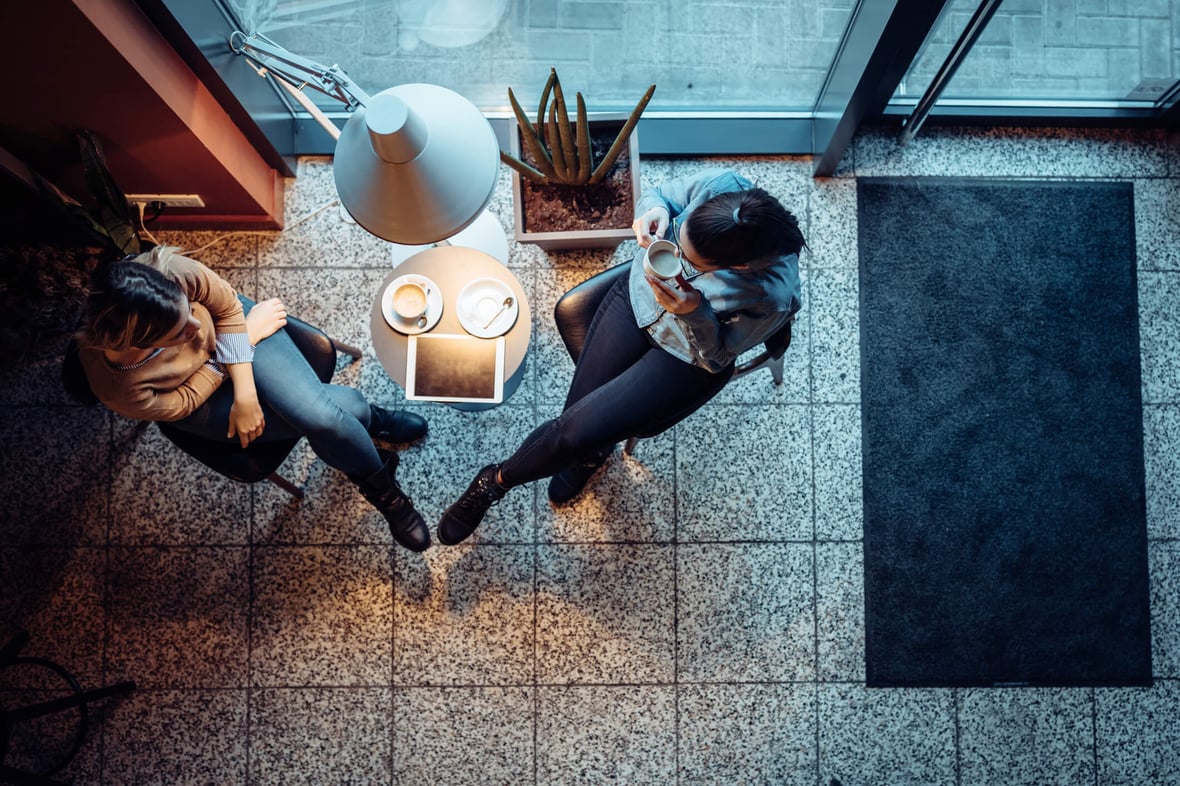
417 164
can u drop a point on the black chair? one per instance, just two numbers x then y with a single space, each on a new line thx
577 307
12 716
258 461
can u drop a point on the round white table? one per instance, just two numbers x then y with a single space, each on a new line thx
451 268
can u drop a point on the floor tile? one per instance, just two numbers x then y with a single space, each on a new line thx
161 495
835 336
630 499
745 613
1163 559
178 616
840 604
744 474
459 444
336 300
464 616
1161 460
476 736
1157 224
322 616
42 745
313 735
1138 734
55 481
177 738
56 596
1026 736
605 614
839 506
1014 152
605 734
831 227
886 736
324 239
1159 336
218 250
332 510
731 734
36 379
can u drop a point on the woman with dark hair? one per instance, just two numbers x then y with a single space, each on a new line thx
162 333
657 350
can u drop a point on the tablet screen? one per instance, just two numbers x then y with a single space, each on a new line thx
459 367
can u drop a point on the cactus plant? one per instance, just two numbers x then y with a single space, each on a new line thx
560 149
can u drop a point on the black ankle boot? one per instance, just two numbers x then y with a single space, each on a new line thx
397 427
465 515
569 483
383 492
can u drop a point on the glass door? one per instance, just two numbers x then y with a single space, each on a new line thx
1100 57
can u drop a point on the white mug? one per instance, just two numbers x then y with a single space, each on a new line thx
409 301
662 260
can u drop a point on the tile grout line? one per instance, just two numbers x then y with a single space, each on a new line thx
1094 732
675 611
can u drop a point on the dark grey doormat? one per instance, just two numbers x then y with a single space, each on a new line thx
1005 537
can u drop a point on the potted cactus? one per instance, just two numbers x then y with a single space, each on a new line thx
575 182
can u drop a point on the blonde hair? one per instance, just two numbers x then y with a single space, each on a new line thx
133 302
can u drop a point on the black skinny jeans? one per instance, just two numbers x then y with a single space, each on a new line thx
623 386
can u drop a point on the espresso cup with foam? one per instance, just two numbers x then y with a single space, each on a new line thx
409 301
662 260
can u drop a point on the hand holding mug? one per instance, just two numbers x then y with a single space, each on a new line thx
676 296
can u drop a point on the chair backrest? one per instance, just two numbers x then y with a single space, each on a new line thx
576 308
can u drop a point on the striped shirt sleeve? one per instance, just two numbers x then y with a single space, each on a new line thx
234 348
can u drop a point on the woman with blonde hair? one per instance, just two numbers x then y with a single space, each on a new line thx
166 338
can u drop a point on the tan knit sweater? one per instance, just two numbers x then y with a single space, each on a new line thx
173 383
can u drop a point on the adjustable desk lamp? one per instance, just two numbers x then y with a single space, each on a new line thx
415 164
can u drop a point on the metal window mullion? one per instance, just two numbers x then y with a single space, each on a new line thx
975 27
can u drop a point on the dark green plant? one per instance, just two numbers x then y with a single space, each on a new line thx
54 242
561 149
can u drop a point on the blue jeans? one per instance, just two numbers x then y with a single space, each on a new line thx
296 403
623 386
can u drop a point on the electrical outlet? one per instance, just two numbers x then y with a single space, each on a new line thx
168 200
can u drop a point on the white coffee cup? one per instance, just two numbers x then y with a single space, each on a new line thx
662 260
409 301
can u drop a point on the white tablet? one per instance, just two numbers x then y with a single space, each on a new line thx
455 368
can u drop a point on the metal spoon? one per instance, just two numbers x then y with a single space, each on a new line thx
422 319
507 304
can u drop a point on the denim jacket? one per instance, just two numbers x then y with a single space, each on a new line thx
739 309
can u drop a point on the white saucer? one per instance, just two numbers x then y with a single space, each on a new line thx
434 304
479 301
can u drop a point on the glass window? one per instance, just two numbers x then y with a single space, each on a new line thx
1054 50
706 55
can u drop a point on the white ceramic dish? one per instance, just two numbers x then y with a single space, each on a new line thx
434 305
479 308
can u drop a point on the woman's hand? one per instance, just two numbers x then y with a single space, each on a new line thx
245 420
264 320
680 299
651 226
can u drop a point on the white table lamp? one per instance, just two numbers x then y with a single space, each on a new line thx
415 164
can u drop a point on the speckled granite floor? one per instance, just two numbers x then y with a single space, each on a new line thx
696 619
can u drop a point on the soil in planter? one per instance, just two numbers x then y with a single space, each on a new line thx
605 205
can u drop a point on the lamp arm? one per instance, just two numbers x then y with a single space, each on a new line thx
297 70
